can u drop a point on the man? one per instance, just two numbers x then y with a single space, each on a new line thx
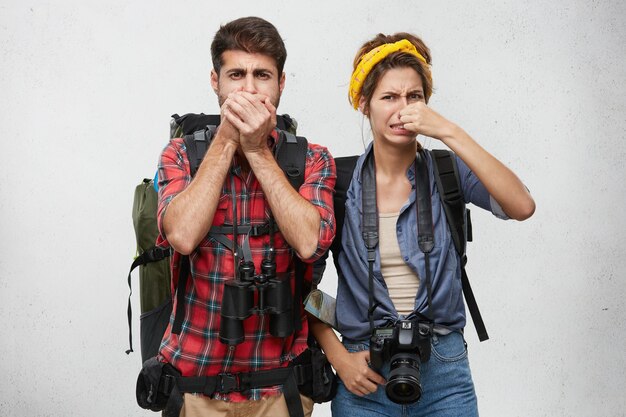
240 183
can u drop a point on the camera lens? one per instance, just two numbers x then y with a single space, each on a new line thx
403 385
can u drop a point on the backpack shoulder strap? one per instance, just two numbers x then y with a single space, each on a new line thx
449 187
457 216
345 168
197 144
290 155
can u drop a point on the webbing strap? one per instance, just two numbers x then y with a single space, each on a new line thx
292 396
251 230
472 306
225 383
244 250
300 268
153 254
369 227
183 276
290 155
197 144
425 231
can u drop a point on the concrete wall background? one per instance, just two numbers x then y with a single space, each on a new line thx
86 95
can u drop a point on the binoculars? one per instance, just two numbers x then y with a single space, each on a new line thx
273 298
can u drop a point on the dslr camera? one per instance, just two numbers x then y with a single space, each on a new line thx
406 345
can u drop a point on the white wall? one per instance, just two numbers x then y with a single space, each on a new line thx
86 95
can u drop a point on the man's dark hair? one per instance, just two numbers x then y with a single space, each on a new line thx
252 35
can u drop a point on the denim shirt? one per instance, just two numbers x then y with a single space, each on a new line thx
448 308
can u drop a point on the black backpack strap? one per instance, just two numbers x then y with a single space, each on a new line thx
449 187
181 286
290 155
345 168
153 254
457 216
300 292
197 144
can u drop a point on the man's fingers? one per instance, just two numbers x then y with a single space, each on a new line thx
233 119
251 102
251 108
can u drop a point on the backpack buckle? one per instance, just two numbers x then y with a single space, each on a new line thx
259 230
228 383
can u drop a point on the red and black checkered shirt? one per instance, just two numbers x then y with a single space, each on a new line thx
197 351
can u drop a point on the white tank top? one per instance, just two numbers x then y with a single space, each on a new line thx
401 281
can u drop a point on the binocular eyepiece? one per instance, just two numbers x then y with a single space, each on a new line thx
273 298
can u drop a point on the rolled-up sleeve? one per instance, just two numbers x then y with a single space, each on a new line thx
319 188
475 192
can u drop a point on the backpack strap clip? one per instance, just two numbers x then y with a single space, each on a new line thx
157 253
228 383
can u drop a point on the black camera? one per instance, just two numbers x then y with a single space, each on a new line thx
405 344
273 298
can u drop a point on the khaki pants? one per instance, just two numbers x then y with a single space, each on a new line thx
274 406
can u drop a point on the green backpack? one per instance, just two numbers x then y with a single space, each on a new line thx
155 287
155 293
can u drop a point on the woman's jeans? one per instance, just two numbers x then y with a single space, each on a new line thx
446 380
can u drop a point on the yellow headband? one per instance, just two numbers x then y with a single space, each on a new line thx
372 58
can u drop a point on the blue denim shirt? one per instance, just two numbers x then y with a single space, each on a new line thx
448 308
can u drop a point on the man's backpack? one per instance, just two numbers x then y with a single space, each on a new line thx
457 216
154 262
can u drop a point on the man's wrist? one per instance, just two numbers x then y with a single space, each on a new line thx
258 153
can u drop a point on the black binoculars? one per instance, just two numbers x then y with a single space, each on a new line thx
274 298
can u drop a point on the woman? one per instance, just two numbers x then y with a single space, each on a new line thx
405 284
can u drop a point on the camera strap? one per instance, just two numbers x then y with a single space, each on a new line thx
369 226
425 233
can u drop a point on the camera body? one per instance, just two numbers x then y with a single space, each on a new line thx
405 345
274 298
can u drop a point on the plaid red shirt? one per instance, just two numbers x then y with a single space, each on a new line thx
197 351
